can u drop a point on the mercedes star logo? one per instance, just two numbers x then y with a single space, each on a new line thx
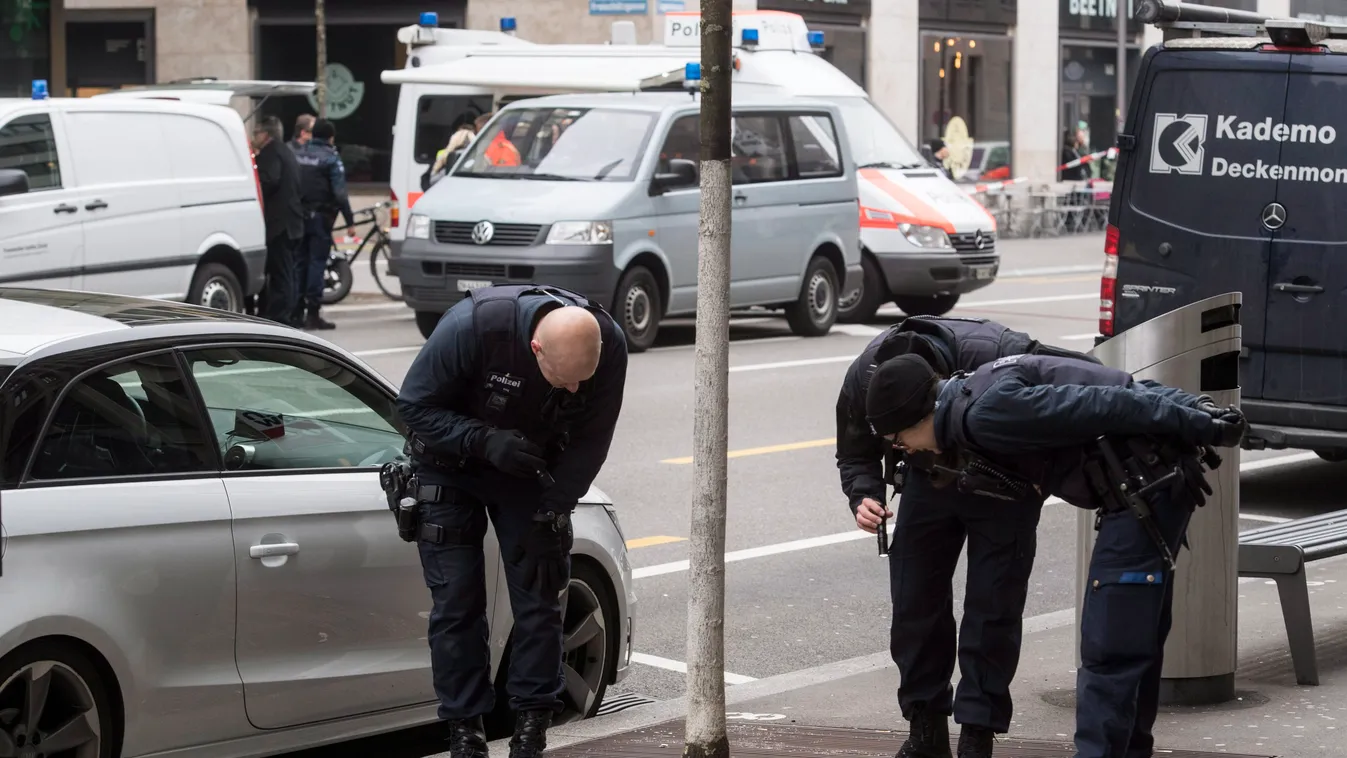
1274 216
483 232
979 241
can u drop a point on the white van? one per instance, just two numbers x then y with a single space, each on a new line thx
131 196
926 242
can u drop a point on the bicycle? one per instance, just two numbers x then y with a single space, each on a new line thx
338 277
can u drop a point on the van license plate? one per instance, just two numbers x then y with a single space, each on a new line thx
982 272
467 285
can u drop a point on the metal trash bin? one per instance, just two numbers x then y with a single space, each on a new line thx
1194 348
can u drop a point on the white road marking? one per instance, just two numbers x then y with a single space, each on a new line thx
1027 300
1074 337
856 330
682 668
809 543
792 364
386 351
1017 273
363 308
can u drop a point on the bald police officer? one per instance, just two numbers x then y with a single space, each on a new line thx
512 405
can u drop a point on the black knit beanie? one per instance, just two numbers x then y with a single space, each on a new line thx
900 394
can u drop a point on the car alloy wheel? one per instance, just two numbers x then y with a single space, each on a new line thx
584 650
47 710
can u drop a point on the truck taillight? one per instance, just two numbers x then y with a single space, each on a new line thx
252 159
1108 283
393 211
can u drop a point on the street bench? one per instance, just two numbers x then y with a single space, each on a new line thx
1280 552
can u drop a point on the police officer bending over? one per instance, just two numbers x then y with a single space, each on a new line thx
927 540
512 404
1032 426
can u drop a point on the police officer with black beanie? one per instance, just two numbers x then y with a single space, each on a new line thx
931 528
511 403
1039 426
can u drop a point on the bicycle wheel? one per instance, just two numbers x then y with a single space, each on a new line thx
381 266
337 281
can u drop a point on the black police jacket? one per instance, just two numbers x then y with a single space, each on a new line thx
1037 418
477 371
949 345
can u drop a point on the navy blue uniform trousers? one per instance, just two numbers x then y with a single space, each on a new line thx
930 528
311 263
460 651
1125 621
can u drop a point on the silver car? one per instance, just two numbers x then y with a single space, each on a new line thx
197 556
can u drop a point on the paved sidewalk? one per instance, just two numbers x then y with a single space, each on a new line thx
1271 715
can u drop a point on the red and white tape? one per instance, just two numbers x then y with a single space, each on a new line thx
980 188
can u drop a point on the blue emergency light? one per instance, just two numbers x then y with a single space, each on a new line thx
430 18
508 24
749 36
692 72
816 39
39 89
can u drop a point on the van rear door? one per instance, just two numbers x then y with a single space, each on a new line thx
1305 342
1190 218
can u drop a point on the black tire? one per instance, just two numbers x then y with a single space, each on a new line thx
1336 455
426 321
76 687
381 267
337 280
815 312
588 592
929 305
860 306
638 308
215 286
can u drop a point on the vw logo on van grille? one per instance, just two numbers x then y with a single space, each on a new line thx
1274 216
483 232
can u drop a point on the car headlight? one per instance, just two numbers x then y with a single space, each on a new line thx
580 233
925 236
611 510
418 227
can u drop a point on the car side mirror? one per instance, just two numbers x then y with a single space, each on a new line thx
13 182
682 173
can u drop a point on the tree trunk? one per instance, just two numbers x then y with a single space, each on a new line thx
320 22
705 736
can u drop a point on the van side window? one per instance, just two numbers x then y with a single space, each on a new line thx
684 142
815 143
439 116
757 149
28 143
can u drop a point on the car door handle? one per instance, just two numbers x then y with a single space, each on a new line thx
96 205
268 551
740 199
1289 287
64 208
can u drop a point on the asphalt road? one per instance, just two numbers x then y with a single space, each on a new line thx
804 586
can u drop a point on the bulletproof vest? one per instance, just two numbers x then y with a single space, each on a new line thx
314 184
1059 472
511 392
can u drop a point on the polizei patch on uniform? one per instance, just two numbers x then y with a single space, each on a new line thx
1006 361
504 383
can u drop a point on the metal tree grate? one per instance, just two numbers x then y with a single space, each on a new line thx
666 741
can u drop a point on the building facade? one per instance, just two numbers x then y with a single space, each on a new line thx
974 73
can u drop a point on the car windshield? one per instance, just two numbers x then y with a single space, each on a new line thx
560 144
875 141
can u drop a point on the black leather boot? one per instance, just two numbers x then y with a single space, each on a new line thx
467 738
530 734
975 742
929 737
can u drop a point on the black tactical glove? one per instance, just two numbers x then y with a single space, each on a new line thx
544 552
512 453
1229 427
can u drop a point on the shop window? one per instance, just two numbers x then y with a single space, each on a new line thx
965 103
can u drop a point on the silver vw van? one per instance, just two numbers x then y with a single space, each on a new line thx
598 193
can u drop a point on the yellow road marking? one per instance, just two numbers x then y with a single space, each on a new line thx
762 450
652 541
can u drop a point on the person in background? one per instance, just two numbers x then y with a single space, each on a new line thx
283 214
303 131
323 179
1069 153
461 138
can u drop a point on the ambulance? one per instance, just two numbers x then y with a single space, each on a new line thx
925 242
